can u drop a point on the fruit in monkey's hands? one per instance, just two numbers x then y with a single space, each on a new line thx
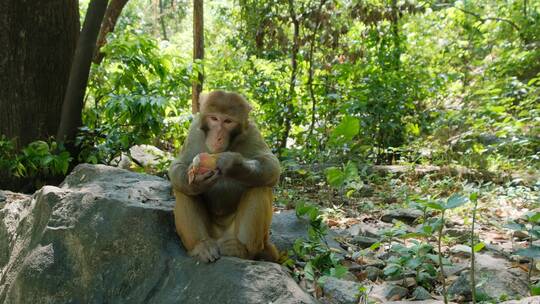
201 164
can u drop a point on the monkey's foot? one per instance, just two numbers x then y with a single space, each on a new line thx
233 247
206 251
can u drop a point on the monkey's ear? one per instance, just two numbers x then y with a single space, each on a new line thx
248 107
202 100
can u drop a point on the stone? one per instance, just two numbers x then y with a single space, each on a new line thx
287 228
461 250
373 273
364 241
363 230
395 292
496 277
341 291
405 215
420 294
528 300
107 235
147 156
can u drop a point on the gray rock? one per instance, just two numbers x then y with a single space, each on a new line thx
2 196
420 294
363 230
405 215
341 291
373 273
455 269
148 156
528 300
364 241
520 235
107 236
461 250
366 190
287 227
395 292
418 302
496 278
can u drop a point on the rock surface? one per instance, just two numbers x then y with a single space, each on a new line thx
287 227
341 291
405 215
529 300
496 277
107 236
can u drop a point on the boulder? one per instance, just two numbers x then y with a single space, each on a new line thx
106 235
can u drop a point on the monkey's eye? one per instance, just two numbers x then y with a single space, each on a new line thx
227 121
213 118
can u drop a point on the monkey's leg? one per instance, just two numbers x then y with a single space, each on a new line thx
251 227
191 220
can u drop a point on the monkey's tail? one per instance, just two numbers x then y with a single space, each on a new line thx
269 253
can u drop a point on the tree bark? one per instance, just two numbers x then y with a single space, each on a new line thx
198 51
162 21
312 43
38 40
292 82
72 107
109 22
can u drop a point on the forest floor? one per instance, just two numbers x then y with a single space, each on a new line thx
375 226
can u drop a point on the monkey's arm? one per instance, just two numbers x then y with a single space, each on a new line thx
261 170
178 172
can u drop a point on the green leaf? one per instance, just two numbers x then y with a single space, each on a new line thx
435 205
351 170
375 246
534 217
309 271
413 263
338 271
515 226
455 200
535 289
391 270
479 247
335 177
348 128
531 252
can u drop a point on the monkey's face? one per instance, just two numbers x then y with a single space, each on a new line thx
220 128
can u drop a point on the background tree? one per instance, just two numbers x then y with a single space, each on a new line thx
73 104
198 52
38 41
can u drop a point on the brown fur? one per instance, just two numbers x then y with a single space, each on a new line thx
231 104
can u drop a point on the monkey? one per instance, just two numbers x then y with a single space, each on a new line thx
226 211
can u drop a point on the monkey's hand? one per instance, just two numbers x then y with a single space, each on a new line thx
229 162
206 251
200 182
200 166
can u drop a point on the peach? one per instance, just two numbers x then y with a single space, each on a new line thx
202 163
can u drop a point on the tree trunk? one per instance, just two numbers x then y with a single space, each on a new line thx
162 21
109 22
312 43
198 51
290 112
73 104
38 40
